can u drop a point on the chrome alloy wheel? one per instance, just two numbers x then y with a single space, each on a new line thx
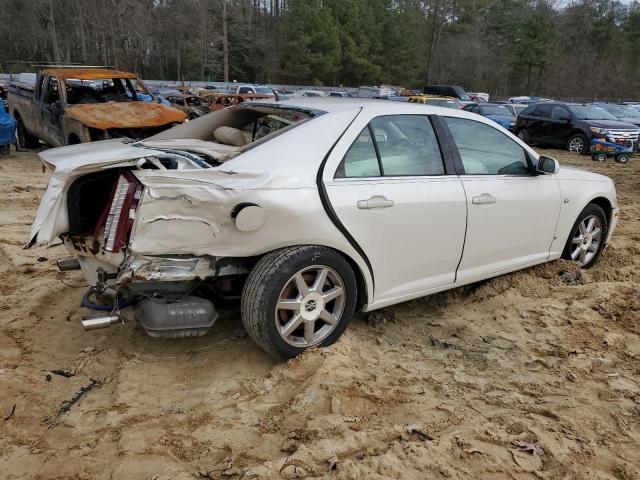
576 145
310 306
586 240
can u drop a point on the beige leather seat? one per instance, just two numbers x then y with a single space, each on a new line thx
229 136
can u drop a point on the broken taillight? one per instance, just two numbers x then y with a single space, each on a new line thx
119 214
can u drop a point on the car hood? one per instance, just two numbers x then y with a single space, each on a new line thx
573 173
610 124
632 120
125 114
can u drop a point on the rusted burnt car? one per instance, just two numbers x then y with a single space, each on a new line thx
218 100
76 105
193 106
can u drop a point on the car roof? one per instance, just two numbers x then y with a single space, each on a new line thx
87 73
379 106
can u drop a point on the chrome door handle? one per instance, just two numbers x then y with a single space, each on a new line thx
377 201
484 199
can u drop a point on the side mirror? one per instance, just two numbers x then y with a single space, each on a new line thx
547 165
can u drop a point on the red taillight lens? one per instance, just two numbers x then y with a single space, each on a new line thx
118 215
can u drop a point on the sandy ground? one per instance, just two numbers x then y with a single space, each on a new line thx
441 387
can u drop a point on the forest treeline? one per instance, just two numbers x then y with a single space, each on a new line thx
583 48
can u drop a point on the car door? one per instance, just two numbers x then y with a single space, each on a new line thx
406 212
512 212
50 112
559 129
538 123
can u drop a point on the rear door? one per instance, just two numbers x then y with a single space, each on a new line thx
406 211
538 122
559 129
512 213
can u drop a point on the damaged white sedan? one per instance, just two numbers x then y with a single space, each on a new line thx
309 209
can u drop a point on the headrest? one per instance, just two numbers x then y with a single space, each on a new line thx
229 136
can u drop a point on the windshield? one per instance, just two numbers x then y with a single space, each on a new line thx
496 110
264 90
101 90
590 112
622 111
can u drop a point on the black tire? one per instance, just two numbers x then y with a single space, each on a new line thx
622 159
598 157
268 279
25 139
523 134
581 140
590 209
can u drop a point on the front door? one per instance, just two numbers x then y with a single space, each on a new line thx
408 215
51 112
512 213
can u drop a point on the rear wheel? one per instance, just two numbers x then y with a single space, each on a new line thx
587 237
578 143
296 298
599 157
622 159
25 139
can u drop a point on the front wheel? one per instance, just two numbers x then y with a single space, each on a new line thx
298 297
578 143
587 237
622 159
25 139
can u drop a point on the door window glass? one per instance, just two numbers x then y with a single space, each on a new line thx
402 145
559 113
52 91
407 145
485 150
542 110
361 159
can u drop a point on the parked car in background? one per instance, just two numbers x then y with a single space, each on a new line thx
193 106
514 108
478 96
447 102
496 112
256 90
82 104
375 92
308 93
527 99
341 94
219 100
572 126
346 205
624 113
398 98
447 91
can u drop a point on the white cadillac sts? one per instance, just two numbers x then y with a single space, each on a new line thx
307 210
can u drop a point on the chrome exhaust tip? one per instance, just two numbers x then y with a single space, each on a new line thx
94 322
